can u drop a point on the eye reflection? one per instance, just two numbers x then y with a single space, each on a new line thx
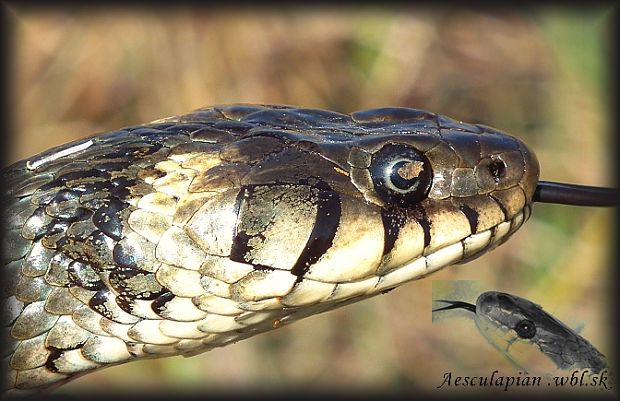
404 174
400 174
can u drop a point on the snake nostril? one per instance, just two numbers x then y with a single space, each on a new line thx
497 168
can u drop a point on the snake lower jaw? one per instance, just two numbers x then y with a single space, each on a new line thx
499 234
463 251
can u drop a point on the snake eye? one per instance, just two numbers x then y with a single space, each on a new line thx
400 174
525 329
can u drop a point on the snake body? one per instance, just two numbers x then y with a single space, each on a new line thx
508 321
200 230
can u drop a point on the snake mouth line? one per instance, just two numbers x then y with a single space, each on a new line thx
459 252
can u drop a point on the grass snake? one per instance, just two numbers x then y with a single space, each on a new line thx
508 321
200 230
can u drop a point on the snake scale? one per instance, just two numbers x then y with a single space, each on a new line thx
200 230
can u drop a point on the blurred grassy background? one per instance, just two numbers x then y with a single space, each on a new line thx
540 73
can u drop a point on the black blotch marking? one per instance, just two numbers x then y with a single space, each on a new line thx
240 247
56 353
124 302
472 217
159 304
123 258
393 220
108 218
97 303
326 224
263 268
121 187
321 237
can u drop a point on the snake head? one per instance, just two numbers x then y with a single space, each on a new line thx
532 337
341 206
529 337
432 191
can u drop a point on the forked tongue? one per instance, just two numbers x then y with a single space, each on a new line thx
572 194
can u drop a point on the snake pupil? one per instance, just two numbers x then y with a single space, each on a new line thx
525 329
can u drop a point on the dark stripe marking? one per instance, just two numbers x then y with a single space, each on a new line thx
501 205
329 211
393 220
240 247
472 217
422 218
240 240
